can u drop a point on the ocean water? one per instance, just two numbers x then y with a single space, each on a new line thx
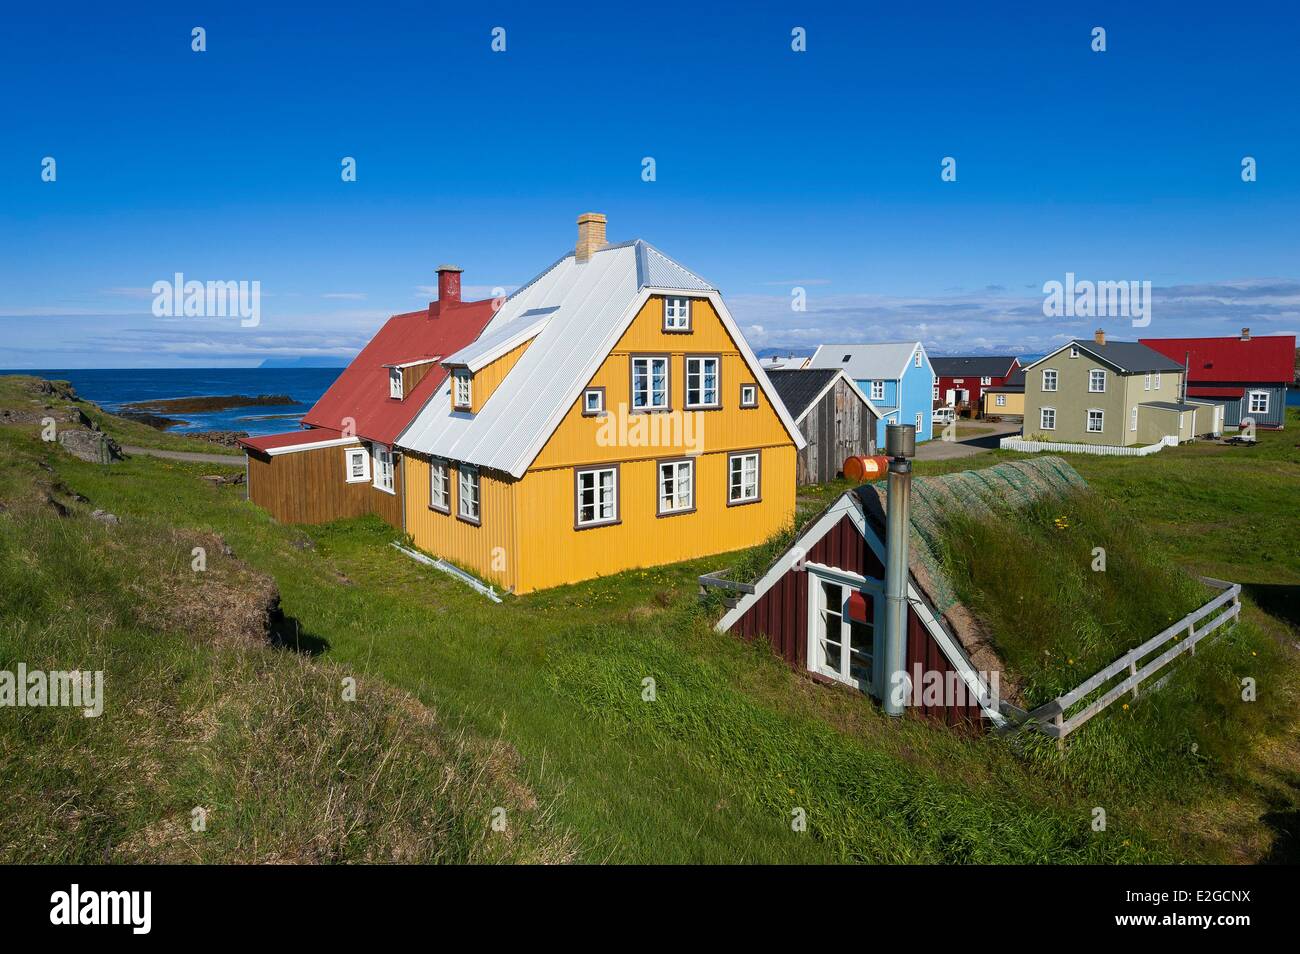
112 388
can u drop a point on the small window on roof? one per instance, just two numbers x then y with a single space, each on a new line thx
395 383
847 357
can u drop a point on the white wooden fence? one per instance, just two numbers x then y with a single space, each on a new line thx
1054 718
1103 450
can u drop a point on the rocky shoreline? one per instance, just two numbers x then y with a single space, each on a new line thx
195 405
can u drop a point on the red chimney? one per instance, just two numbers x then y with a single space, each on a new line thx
448 286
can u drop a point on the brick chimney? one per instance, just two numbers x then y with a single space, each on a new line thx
448 286
591 235
1245 334
1099 336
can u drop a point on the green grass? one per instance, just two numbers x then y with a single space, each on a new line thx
734 742
18 391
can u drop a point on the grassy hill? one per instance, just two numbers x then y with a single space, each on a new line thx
537 705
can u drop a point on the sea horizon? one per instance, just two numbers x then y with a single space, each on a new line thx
112 388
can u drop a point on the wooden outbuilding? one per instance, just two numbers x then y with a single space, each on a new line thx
834 416
821 604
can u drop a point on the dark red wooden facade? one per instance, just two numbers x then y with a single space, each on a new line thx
780 616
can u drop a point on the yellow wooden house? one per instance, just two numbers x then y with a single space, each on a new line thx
610 416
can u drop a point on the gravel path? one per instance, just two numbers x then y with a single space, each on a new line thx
230 460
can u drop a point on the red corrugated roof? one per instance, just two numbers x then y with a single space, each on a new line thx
313 435
361 391
1201 390
1256 360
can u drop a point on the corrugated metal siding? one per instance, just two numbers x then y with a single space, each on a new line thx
553 552
590 440
488 550
489 378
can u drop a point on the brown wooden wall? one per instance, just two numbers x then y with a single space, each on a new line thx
311 486
836 427
780 616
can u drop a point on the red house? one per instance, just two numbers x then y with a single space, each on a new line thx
343 463
962 380
1247 376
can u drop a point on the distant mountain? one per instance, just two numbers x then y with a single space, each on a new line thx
304 363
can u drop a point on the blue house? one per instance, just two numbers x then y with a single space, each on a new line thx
898 378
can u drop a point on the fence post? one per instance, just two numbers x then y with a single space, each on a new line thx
1059 722
1133 671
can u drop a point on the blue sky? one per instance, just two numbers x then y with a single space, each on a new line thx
774 168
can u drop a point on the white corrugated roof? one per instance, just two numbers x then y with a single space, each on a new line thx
485 349
866 362
582 309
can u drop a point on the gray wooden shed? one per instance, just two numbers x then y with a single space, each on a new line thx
834 416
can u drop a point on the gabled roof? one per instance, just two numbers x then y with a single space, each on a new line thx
801 388
479 354
1003 488
866 362
981 366
361 391
582 308
1015 383
1126 357
272 444
1270 359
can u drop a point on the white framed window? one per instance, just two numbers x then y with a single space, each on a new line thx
650 383
1000 400
1049 379
742 478
676 486
1147 387
916 360
356 465
936 392
918 422
382 458
1096 381
1258 402
1047 418
749 395
467 490
877 390
702 381
595 495
462 389
841 635
1155 381
395 383
985 381
1074 352
677 314
439 487
1096 420
593 402
1133 419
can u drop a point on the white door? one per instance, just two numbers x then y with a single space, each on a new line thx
952 397
840 646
